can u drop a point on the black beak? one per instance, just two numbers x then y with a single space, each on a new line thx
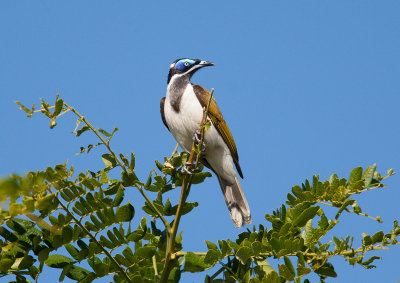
206 63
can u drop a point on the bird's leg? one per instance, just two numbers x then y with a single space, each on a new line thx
186 169
197 140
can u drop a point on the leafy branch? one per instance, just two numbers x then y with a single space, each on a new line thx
61 219
115 157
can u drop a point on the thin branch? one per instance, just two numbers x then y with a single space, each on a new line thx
62 113
120 163
217 273
175 150
307 254
349 210
186 184
230 271
159 214
181 253
41 109
155 266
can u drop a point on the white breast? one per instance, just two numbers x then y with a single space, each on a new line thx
184 124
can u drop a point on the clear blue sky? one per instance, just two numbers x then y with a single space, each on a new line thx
306 88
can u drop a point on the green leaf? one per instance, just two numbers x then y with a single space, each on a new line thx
58 107
57 241
101 269
195 263
27 111
370 260
285 229
128 179
199 177
104 132
366 239
256 247
67 232
124 159
45 202
308 234
82 130
18 226
105 242
337 242
344 206
377 237
306 215
125 213
302 270
58 261
112 189
246 277
212 257
355 175
43 254
285 272
5 264
78 273
132 163
109 160
148 182
145 252
265 266
128 254
326 270
243 254
72 251
297 191
66 269
26 262
188 207
289 265
119 197
368 175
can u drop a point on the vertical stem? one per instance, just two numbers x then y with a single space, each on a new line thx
186 184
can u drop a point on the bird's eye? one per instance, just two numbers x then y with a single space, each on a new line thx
186 64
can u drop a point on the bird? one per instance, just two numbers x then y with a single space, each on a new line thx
182 112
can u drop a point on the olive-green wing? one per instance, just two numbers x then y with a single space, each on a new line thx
218 121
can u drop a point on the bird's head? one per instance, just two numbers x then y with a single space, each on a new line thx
186 67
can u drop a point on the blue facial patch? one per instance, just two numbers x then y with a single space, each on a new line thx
184 63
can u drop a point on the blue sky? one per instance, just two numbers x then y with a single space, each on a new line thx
306 88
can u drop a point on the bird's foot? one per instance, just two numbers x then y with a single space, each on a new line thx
188 170
197 140
203 147
197 137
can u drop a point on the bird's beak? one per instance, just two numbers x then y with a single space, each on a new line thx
206 63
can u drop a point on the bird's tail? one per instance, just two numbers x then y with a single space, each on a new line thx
236 202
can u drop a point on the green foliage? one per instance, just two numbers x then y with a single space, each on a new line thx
58 218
